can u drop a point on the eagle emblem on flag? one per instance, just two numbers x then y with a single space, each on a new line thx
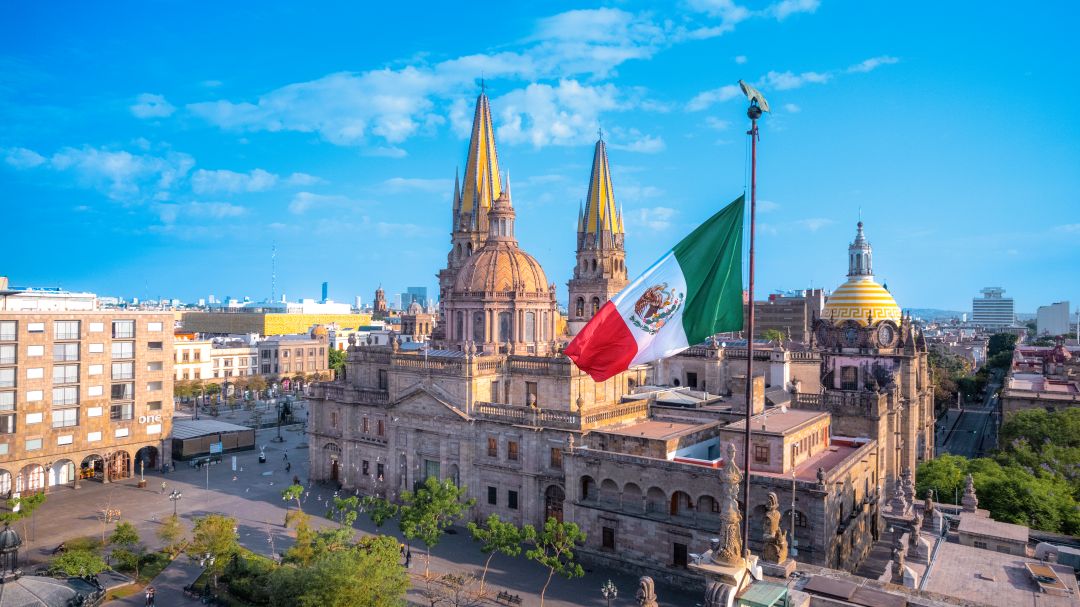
654 307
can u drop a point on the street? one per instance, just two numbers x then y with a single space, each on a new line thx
971 431
252 494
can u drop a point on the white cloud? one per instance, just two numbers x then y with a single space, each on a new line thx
412 184
170 213
782 81
707 99
303 179
813 224
593 41
654 218
740 59
122 175
148 105
542 114
791 108
767 206
23 158
214 181
302 202
1068 228
715 123
785 8
872 64
644 144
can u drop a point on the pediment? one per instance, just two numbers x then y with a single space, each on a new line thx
427 402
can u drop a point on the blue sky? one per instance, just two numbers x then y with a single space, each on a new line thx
161 148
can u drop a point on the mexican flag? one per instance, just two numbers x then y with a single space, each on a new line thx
692 292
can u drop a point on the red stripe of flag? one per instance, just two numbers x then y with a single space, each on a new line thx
605 346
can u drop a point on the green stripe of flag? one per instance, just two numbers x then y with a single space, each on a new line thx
711 260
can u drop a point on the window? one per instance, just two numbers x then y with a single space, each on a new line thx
979 544
284 353
97 327
379 470
322 351
383 380
8 330
493 496
123 329
156 365
511 450
608 542
153 326
65 418
504 327
266 368
65 374
67 395
679 556
365 467
121 411
849 378
530 393
34 418
333 419
556 457
379 430
311 352
95 348
691 380
227 362
761 454
35 350
66 329
7 354
265 353
7 401
7 378
364 425
35 373
33 396
299 365
121 432
511 500
580 309
155 345
154 405
7 424
123 349
493 447
125 391
65 352
33 444
153 386
35 327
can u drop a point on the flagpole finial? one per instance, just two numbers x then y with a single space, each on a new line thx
600 133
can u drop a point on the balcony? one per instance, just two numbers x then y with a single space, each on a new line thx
346 394
527 416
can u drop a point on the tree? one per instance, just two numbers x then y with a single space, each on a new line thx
379 510
78 563
21 508
554 550
337 361
1000 342
496 536
772 335
303 550
213 389
944 474
257 385
366 574
453 590
128 551
428 511
171 533
293 492
182 389
214 541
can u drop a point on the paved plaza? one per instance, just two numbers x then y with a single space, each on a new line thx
252 494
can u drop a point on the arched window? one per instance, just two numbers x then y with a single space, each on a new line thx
459 250
530 326
594 265
595 305
470 249
478 326
504 327
588 488
580 307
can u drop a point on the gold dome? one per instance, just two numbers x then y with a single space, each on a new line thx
501 268
859 298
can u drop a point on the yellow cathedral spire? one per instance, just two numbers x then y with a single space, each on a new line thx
600 213
482 181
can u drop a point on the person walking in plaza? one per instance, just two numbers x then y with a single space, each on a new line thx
285 456
163 487
150 596
288 466
408 557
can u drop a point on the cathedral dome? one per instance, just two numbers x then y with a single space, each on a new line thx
502 268
860 298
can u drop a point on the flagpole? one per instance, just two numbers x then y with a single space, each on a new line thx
753 112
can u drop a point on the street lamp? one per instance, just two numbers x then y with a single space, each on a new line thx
609 591
174 497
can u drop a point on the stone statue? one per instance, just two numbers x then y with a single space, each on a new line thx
716 594
897 504
898 567
776 548
395 343
530 400
918 522
909 486
916 533
970 501
570 443
728 548
821 476
772 517
352 339
646 592
928 503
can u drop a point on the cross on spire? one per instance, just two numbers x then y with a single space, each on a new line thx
600 132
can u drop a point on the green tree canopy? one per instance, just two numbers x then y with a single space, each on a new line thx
366 574
1000 342
554 550
427 512
214 535
496 535
337 361
78 563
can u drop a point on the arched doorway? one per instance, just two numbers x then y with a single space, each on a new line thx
62 472
31 479
119 465
553 503
455 474
92 468
148 457
333 452
5 484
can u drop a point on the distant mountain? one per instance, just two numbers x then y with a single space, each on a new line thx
934 313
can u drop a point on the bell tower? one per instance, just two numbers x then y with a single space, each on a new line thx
600 271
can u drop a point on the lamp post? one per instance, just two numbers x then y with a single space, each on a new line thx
609 591
174 497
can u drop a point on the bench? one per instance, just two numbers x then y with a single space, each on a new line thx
506 598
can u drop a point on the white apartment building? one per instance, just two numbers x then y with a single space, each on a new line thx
993 310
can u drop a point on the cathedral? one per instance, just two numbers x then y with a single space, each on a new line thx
495 406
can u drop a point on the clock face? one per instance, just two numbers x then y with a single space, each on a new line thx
886 334
851 335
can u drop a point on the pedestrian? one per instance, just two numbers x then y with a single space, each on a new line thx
163 487
288 466
408 557
285 456
149 596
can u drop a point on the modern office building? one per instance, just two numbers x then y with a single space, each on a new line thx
1053 319
84 394
792 314
993 310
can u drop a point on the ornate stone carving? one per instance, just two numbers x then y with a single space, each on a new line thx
970 501
772 516
646 592
727 548
898 567
897 504
928 503
821 477
776 548
716 594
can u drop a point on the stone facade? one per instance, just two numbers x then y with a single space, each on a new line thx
83 395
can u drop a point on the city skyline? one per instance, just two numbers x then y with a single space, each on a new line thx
181 172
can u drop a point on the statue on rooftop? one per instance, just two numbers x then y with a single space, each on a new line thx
928 503
898 567
728 549
970 501
646 593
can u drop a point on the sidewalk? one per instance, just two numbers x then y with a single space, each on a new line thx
169 585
